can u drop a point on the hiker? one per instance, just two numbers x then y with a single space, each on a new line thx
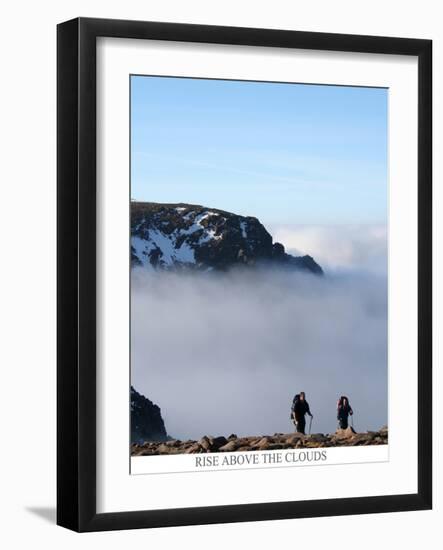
344 409
300 407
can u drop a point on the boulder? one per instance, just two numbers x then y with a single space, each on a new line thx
205 443
193 449
345 434
264 443
229 447
318 437
384 431
272 446
292 439
217 442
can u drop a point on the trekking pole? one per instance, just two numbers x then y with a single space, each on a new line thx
310 424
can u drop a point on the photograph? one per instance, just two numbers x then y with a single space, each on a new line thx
259 266
244 274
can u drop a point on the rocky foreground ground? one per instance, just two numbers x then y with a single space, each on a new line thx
221 444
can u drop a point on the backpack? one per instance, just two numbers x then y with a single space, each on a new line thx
341 407
294 402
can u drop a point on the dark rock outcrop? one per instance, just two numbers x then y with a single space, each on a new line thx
174 236
209 444
146 420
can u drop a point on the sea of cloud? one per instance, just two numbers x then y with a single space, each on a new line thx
338 247
226 353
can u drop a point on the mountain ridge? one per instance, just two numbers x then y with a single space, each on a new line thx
178 235
146 420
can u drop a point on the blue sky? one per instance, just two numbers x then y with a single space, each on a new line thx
285 153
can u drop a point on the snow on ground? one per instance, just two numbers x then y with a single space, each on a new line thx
208 233
142 249
172 254
243 227
184 254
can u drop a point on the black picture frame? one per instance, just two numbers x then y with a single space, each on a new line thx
76 280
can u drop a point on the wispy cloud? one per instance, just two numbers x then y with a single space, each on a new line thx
335 247
264 171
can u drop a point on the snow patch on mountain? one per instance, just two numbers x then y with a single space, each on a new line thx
160 244
207 232
243 230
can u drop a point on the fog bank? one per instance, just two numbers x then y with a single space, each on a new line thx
224 354
338 247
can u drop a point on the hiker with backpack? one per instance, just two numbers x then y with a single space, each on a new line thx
344 409
300 407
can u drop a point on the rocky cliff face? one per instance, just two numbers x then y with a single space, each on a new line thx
146 420
176 236
221 444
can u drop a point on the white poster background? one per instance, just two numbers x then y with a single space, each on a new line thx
117 489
